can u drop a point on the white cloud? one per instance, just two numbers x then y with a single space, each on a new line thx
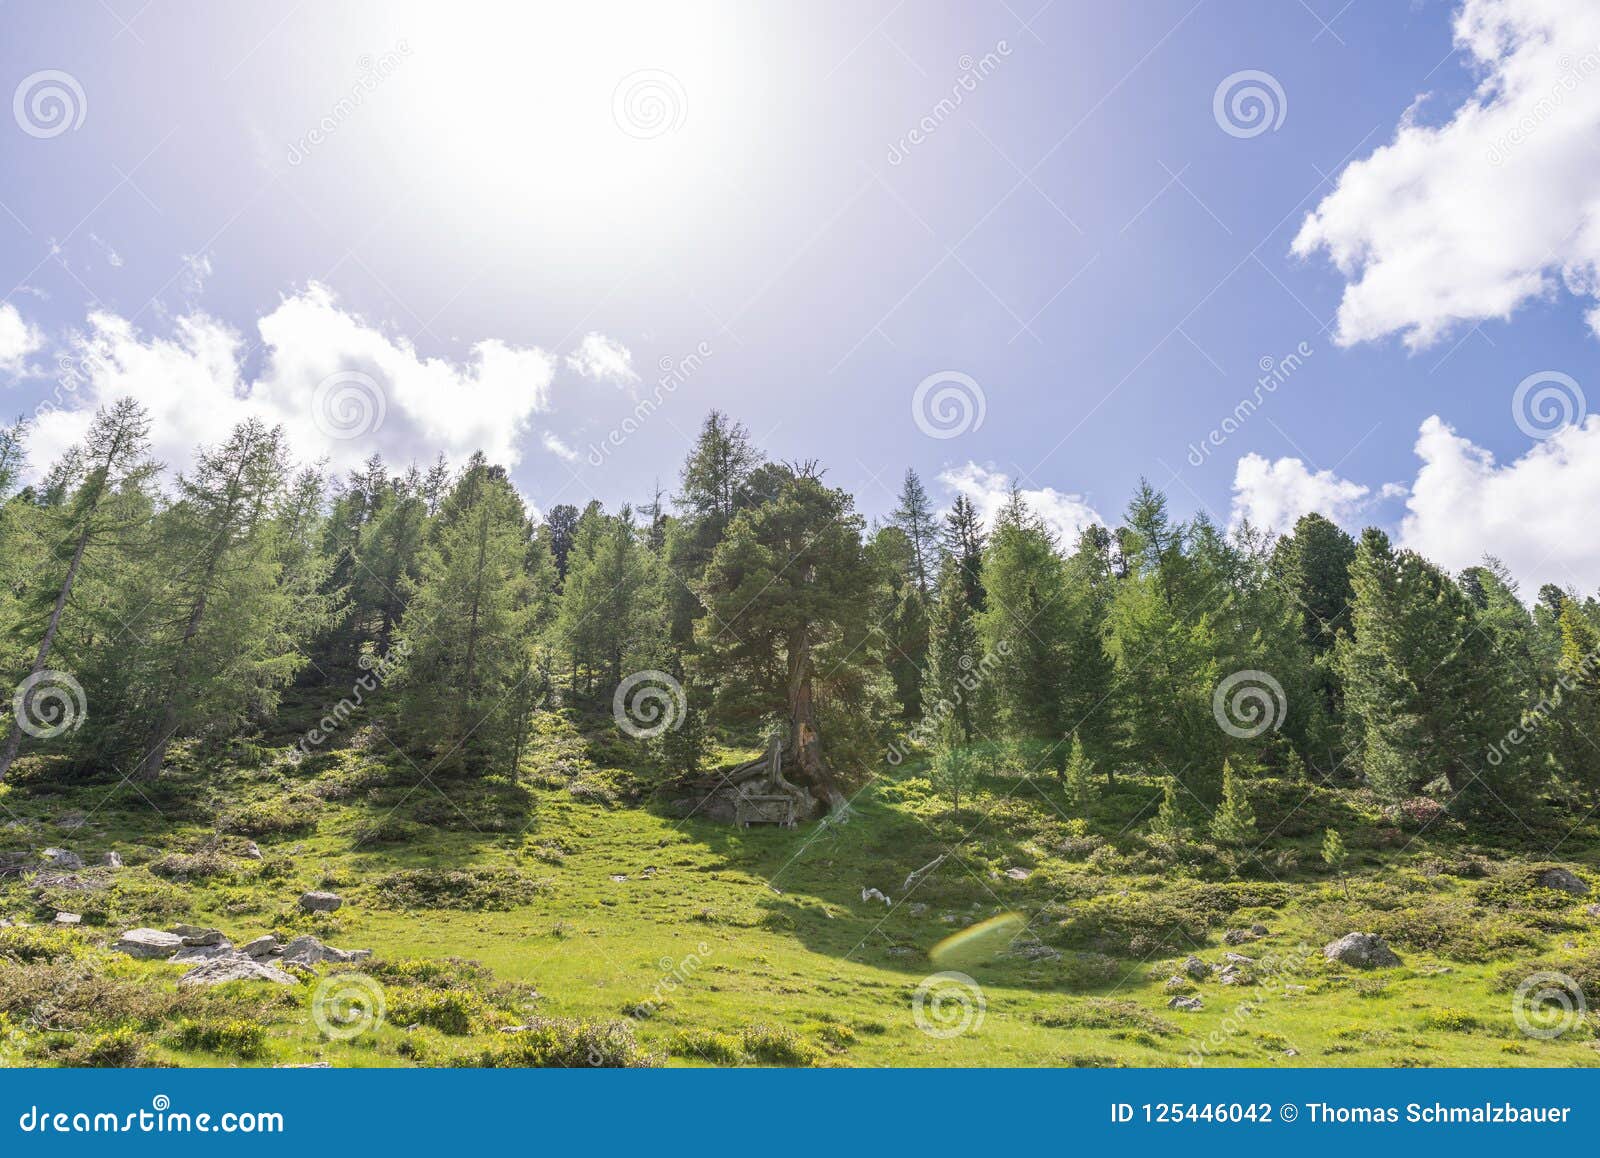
1065 514
600 358
18 339
1474 217
561 450
1530 513
325 373
1273 495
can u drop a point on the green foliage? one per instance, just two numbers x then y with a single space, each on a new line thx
1233 824
234 1037
1079 778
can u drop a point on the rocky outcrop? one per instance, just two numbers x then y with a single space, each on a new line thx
1565 880
62 858
310 951
148 944
234 967
318 902
1362 950
261 947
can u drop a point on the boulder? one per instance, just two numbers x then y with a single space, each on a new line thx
1178 983
1565 880
1018 874
316 902
198 935
260 947
69 918
234 967
191 953
310 951
62 858
874 895
1237 936
1196 968
1363 950
112 860
1258 930
148 944
251 850
1187 1004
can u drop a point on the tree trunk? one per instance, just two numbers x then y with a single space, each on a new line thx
14 740
803 754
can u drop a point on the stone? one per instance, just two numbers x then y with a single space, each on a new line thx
1178 984
260 947
202 953
317 902
70 820
874 895
310 951
112 860
1234 975
1565 880
1196 968
1592 910
1258 930
69 918
234 967
148 944
61 858
252 851
1238 959
1237 936
918 909
1018 874
1363 950
198 935
1187 1004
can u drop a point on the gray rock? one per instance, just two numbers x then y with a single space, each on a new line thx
874 895
316 902
1363 950
1565 880
917 909
251 850
148 944
234 967
1258 930
198 935
1177 983
1187 1004
69 919
61 858
1237 936
260 947
1018 874
310 951
1196 968
191 953
112 860
1238 959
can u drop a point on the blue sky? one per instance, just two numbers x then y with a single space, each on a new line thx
504 224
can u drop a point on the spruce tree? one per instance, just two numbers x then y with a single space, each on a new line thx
1233 824
914 516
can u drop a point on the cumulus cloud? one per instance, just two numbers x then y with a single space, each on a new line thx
598 357
1273 495
561 450
342 388
1065 514
1529 513
1469 219
18 339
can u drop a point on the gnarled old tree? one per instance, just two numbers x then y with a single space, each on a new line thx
788 594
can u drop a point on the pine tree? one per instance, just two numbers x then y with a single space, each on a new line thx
950 687
914 516
953 771
1171 822
964 539
1234 824
1079 778
107 478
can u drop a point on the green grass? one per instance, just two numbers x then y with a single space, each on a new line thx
494 904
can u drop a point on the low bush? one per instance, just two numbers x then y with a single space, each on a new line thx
470 888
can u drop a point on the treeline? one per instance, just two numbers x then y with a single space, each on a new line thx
185 608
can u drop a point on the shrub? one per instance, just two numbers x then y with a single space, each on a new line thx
236 1036
470 888
181 866
707 1045
452 1011
548 1044
120 1048
27 944
1103 1013
273 817
774 1045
